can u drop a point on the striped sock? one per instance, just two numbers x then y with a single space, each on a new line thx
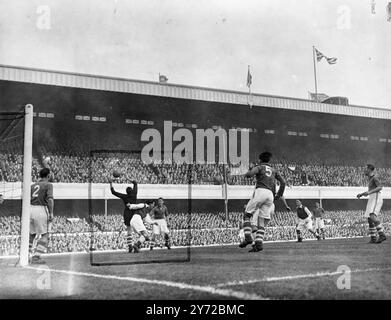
259 235
372 232
166 239
31 243
380 229
41 248
129 240
247 230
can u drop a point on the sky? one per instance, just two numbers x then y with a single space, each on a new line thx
209 43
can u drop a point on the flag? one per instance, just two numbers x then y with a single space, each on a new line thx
331 60
162 78
320 56
249 78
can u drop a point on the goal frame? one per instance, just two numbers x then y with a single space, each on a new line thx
27 114
93 261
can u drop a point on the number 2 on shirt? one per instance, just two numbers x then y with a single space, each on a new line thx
36 190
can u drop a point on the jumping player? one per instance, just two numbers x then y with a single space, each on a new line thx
261 222
137 224
42 205
304 221
129 198
159 215
319 222
374 204
262 199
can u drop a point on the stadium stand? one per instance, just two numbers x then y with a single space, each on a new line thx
207 228
76 169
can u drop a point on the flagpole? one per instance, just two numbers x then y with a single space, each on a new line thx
249 102
316 85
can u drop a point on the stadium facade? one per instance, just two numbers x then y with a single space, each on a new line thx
111 113
79 112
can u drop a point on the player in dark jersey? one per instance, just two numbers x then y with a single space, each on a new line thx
41 214
130 197
318 212
304 221
374 204
159 215
262 199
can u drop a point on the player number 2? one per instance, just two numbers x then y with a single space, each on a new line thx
35 193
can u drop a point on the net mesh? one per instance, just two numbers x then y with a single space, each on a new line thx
11 175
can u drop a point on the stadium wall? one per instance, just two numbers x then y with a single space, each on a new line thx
75 200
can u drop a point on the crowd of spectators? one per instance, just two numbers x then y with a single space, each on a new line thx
98 168
109 233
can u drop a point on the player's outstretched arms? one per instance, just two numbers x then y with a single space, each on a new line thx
281 189
135 189
115 193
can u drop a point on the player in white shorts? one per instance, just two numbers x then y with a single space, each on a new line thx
159 215
262 198
140 212
318 219
374 204
262 219
41 215
304 221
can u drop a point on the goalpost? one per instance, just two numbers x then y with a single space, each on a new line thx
26 190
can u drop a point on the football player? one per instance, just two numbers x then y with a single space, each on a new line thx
262 198
304 221
130 197
159 215
374 204
319 222
41 215
140 212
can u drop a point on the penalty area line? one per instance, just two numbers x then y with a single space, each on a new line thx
295 277
179 285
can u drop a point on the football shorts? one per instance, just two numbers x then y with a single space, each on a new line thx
161 226
137 224
262 199
39 223
304 223
264 214
374 204
319 223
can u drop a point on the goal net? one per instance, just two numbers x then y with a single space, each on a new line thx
15 173
110 238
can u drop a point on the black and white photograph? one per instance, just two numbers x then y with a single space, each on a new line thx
205 152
